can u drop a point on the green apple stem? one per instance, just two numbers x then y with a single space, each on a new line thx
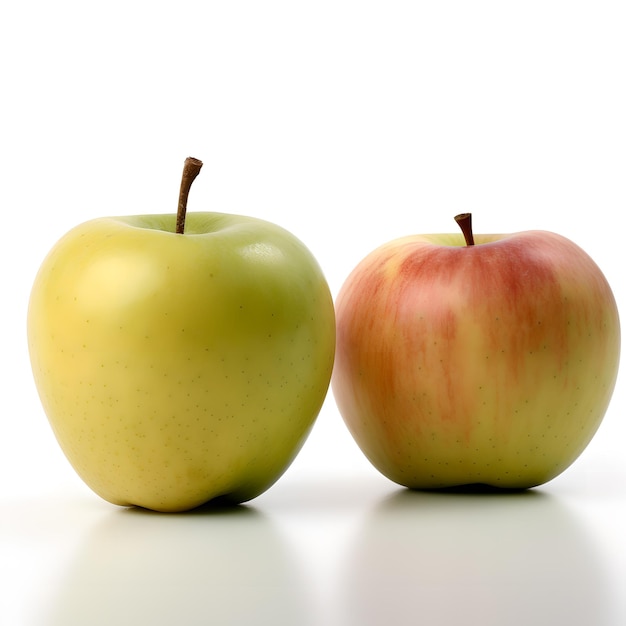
190 170
464 220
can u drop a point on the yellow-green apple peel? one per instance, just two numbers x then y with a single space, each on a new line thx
475 359
179 367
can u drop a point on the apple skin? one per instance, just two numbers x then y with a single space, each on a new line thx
487 364
176 369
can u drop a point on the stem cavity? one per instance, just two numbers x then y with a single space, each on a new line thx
464 220
190 170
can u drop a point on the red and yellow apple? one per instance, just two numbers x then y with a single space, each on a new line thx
489 359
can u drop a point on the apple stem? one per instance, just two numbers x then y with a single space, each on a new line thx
190 170
464 220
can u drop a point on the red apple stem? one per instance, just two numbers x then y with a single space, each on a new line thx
464 220
190 170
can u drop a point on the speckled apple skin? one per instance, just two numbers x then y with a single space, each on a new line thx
176 369
493 363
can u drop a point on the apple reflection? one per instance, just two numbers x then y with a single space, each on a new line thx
483 558
228 567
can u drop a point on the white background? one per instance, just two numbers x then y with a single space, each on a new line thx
348 123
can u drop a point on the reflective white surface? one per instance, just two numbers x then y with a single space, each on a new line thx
349 123
351 550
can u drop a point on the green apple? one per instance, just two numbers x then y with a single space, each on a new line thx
490 361
176 368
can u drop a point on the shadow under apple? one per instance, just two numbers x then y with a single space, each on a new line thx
226 566
473 556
